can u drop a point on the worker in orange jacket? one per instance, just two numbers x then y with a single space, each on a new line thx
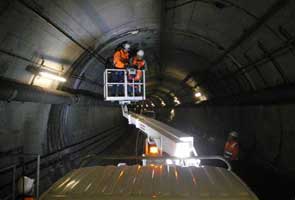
231 148
121 57
139 64
120 61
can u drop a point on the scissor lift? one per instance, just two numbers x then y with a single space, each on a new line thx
167 139
136 88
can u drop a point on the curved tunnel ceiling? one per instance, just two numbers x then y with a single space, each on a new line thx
223 47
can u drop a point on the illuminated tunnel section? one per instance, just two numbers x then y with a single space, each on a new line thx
213 66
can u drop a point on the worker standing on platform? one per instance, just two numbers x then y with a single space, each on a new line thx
140 64
120 61
231 148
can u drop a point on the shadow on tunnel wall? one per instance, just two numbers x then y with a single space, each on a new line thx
266 136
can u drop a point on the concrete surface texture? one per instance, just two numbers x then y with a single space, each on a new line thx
265 132
227 50
266 137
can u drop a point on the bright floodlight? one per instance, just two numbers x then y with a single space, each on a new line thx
52 76
187 139
183 150
198 94
154 150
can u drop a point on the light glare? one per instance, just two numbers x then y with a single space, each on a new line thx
134 32
198 94
182 150
154 150
52 76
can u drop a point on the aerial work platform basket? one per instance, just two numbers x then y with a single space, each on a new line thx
119 85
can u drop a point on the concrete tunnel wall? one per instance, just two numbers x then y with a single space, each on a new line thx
184 45
266 132
27 39
61 134
28 128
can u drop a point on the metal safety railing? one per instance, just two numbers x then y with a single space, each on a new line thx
87 158
120 86
13 168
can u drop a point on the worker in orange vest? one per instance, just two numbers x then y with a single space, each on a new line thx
231 148
120 61
139 64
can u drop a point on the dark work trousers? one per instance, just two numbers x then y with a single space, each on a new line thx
118 77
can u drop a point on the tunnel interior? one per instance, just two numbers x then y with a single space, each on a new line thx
214 66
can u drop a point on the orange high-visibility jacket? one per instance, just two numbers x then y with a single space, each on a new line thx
120 59
140 64
28 198
231 150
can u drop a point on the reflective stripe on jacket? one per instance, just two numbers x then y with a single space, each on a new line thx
139 63
231 150
28 198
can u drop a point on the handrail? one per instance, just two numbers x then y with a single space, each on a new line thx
13 168
37 157
64 152
87 157
125 84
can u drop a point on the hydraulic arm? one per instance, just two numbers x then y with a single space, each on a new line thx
169 140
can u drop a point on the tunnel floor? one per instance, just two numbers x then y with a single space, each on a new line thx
129 144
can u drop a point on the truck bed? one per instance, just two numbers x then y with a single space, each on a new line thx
149 182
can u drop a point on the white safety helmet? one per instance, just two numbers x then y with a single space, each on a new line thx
140 53
234 134
126 46
25 185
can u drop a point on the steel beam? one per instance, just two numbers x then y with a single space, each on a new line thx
257 70
250 31
246 77
282 50
287 36
274 62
